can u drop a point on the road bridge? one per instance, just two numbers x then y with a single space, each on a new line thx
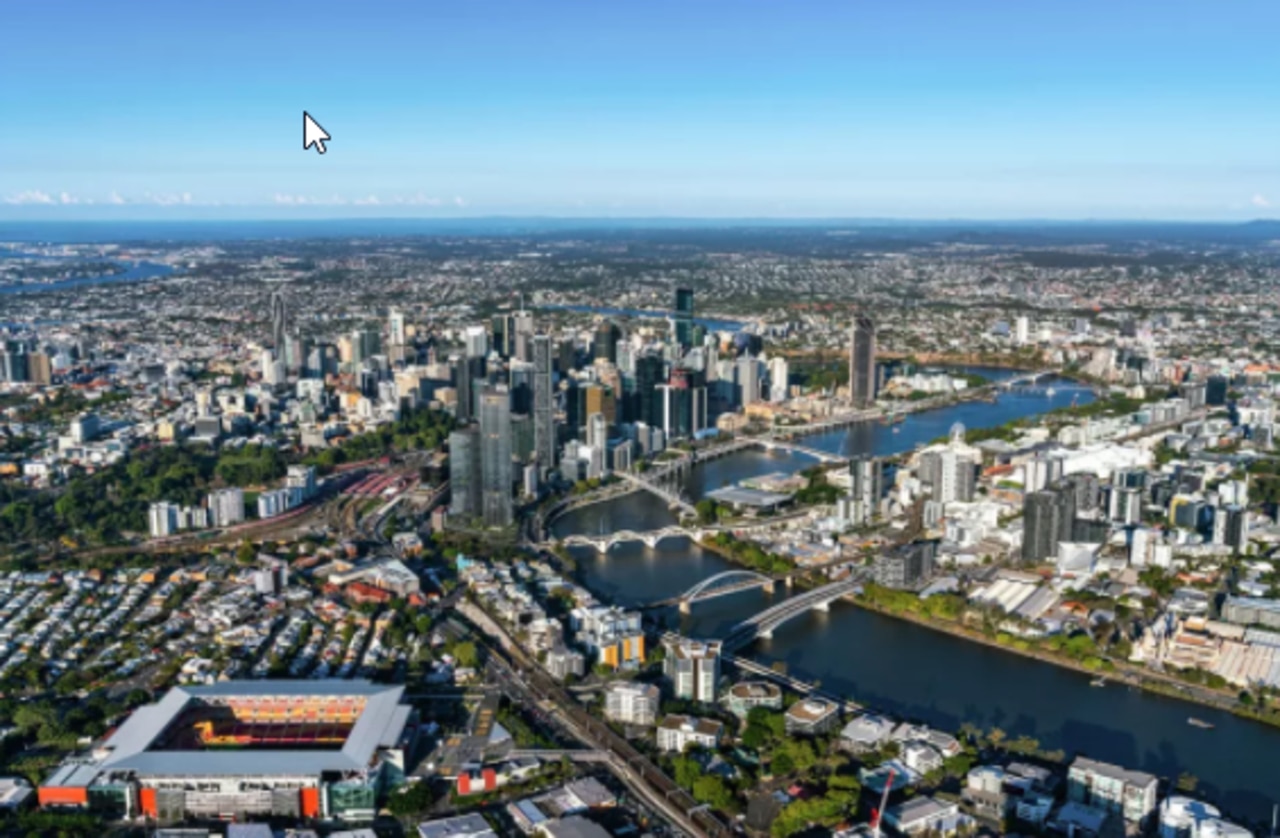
766 622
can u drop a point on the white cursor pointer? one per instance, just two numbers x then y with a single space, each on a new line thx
312 133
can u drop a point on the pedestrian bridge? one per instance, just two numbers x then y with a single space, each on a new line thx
767 621
722 584
771 444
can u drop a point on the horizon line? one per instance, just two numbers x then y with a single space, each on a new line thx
701 219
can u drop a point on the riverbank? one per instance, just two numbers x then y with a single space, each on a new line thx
1111 671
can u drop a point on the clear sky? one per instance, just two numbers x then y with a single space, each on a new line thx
1148 109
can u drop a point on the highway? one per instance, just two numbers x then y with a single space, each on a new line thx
523 676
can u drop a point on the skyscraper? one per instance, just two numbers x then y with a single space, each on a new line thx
477 342
504 329
544 429
747 371
397 333
495 456
682 318
464 472
279 320
862 362
522 339
605 346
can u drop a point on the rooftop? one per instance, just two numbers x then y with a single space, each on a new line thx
379 724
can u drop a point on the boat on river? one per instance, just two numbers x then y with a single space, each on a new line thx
1200 723
1098 682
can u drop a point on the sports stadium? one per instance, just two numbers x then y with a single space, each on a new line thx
309 749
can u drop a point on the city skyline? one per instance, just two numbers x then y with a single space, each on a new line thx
985 111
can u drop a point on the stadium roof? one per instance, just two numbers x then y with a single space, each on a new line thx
378 725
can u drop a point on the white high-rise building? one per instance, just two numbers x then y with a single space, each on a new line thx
747 370
779 373
163 518
303 478
226 506
1022 330
396 328
693 666
477 341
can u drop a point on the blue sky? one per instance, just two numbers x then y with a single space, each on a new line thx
722 108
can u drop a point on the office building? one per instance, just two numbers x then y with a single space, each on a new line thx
632 703
477 342
1124 506
522 336
468 379
495 457
464 472
544 429
605 345
279 320
1130 794
862 362
747 377
520 380
907 566
779 375
503 327
682 319
397 330
693 667
39 369
1215 391
1048 518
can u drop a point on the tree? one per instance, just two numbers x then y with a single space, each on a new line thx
466 654
411 800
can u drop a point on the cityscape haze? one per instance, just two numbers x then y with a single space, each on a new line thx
712 419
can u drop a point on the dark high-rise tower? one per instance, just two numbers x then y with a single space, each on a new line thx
1048 518
682 318
606 342
495 456
544 429
862 362
279 320
464 472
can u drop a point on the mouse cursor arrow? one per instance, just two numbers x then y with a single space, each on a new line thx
312 133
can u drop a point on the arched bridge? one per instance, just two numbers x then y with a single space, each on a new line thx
605 543
767 621
722 584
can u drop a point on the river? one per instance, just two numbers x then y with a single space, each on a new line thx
916 672
134 272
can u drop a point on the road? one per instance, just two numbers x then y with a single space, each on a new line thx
523 676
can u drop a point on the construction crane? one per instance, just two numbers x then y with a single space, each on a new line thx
877 814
